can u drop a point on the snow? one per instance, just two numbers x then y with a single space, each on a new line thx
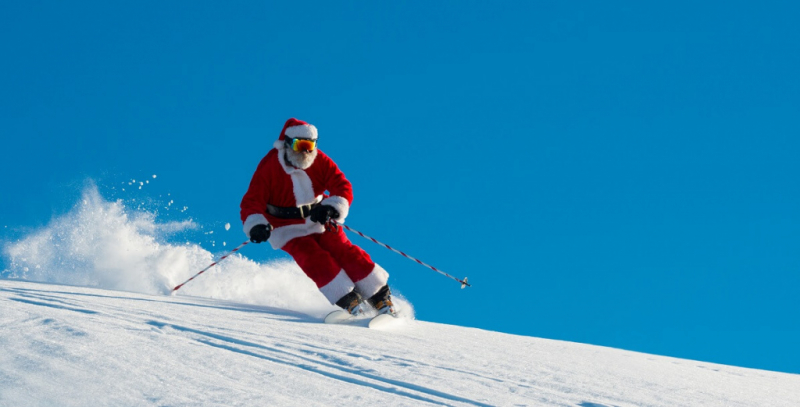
98 327
76 346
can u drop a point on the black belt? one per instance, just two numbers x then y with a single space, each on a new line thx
291 212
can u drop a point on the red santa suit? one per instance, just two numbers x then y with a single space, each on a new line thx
328 257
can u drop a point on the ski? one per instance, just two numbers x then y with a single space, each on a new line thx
380 321
383 321
339 316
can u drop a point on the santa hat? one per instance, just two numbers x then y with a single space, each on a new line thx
298 129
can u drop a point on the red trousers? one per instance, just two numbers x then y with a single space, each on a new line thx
336 265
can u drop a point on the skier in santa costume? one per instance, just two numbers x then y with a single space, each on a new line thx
295 192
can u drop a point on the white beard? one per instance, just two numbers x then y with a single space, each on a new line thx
299 159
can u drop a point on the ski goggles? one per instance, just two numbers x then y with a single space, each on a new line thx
301 144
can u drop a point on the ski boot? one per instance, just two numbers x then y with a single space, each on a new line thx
352 303
382 301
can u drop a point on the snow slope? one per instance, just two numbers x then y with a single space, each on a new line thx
98 329
76 346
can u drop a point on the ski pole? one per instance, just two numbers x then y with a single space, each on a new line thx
463 282
211 265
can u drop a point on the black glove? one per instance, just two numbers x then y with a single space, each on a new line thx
259 233
323 213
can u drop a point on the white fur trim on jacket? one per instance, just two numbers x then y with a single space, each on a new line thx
282 235
252 220
340 204
302 131
338 287
372 283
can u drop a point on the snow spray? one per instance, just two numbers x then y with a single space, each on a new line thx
113 245
177 287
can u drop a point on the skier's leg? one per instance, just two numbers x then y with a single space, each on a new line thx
321 267
369 277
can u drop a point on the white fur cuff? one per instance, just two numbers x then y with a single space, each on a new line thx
338 287
252 220
340 204
371 284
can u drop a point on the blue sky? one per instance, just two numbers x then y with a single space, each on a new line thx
613 173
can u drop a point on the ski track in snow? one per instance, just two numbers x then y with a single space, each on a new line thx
81 346
328 362
331 366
